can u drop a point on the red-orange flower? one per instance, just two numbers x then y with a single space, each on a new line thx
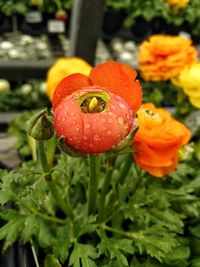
158 140
162 57
95 113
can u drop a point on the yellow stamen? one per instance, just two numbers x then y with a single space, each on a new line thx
93 104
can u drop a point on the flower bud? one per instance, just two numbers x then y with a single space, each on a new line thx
40 126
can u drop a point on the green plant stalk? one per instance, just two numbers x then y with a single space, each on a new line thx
104 191
65 207
93 184
42 156
125 170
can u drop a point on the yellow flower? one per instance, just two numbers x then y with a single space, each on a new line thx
162 57
189 81
177 4
62 68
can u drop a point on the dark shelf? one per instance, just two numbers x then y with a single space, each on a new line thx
14 70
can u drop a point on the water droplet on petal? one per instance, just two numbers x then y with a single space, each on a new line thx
87 125
110 120
110 113
120 120
117 97
103 120
85 137
77 129
72 114
109 132
122 106
63 119
96 137
112 107
74 122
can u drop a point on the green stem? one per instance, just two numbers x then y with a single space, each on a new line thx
118 231
125 170
105 188
93 184
43 215
65 207
42 156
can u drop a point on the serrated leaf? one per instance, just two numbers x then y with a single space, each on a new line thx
115 248
31 227
11 231
83 256
51 261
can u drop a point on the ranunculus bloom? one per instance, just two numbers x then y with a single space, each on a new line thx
162 57
62 68
95 113
176 4
189 81
158 140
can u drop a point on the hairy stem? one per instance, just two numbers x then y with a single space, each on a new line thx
105 188
65 207
93 184
125 170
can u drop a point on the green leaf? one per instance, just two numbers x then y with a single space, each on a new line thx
83 256
11 231
31 228
196 263
51 261
115 248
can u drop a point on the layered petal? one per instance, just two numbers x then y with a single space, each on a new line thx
158 140
68 85
162 57
119 79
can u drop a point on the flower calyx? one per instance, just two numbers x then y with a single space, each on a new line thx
40 126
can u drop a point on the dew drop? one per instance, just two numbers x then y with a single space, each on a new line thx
87 125
117 97
110 113
122 106
85 137
110 120
73 122
72 114
63 119
103 120
109 132
96 137
112 107
120 120
77 129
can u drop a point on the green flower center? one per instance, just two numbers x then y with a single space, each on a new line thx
93 102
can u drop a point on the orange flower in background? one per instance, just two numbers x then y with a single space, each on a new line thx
62 68
162 57
158 140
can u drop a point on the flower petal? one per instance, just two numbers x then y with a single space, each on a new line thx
119 79
68 85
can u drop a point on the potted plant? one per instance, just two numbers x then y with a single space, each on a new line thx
94 204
